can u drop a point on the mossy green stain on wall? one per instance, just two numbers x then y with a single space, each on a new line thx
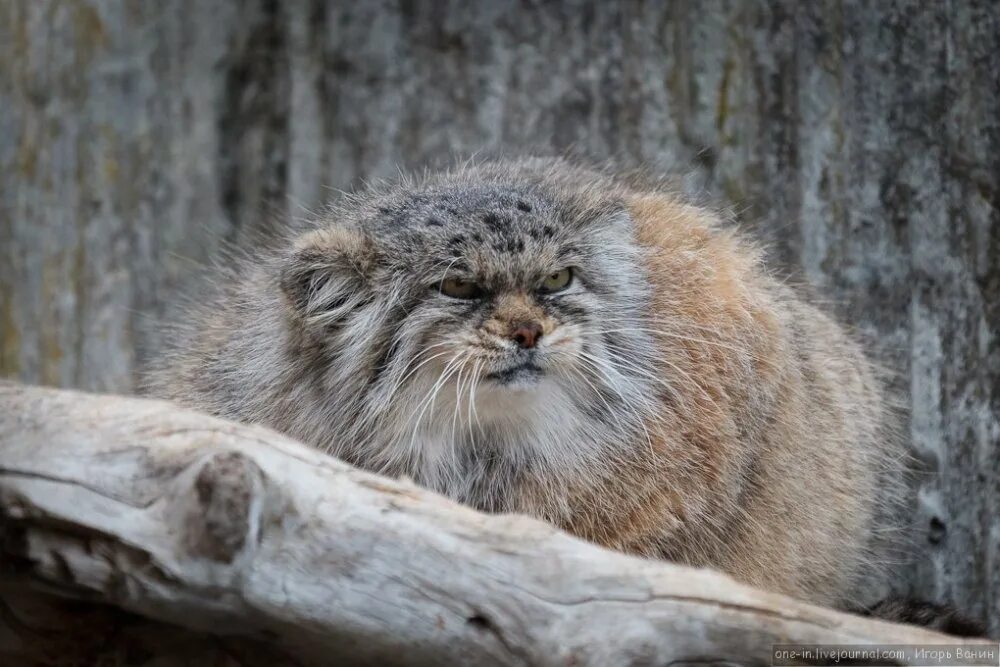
10 335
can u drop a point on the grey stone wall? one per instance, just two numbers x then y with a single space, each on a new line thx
860 139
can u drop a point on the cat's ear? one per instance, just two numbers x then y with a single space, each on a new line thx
326 273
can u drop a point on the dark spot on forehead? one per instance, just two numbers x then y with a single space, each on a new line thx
511 245
456 240
491 219
544 232
524 206
434 222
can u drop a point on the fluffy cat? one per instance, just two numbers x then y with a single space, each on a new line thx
538 337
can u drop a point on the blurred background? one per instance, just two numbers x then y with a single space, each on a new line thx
861 140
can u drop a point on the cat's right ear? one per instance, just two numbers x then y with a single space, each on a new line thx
326 273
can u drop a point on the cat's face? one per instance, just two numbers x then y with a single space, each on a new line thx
495 302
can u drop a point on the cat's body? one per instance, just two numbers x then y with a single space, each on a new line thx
669 398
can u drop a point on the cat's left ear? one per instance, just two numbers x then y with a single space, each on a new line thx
327 272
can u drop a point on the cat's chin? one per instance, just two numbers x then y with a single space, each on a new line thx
520 385
512 400
522 377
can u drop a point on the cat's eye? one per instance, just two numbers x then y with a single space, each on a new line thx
458 288
557 282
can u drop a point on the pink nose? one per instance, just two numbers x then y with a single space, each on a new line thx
526 334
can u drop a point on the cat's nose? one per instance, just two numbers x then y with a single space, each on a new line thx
526 334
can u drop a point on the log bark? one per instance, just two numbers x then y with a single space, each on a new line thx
181 536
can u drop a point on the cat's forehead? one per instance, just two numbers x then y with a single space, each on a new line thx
478 225
495 232
492 209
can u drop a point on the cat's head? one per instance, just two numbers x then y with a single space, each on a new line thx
494 296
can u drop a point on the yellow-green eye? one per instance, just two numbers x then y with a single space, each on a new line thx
558 281
457 288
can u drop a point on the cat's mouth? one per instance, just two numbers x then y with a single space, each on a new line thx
525 373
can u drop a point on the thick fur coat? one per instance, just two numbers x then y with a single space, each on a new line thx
673 399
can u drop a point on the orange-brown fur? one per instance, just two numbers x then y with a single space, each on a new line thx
806 514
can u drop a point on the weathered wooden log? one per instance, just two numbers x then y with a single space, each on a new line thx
237 541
